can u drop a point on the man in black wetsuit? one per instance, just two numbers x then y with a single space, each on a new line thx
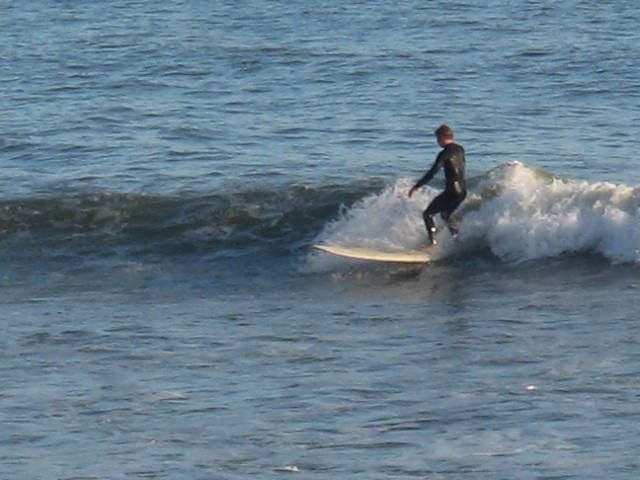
451 158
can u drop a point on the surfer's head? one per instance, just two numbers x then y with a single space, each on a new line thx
444 135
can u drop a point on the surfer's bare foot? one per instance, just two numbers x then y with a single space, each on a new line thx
428 248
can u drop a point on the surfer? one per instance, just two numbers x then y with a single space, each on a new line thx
451 158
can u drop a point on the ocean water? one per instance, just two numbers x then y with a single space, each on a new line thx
167 167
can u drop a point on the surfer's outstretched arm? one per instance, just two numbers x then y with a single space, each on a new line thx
427 176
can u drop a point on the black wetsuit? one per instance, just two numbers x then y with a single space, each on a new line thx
451 158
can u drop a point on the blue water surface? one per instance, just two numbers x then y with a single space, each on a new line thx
165 169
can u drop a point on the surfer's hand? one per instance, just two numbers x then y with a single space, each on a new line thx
412 191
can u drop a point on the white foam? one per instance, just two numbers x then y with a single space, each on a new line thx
535 215
388 220
518 212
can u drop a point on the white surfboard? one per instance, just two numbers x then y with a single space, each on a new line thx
362 253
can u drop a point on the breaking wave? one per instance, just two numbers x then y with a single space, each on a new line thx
517 212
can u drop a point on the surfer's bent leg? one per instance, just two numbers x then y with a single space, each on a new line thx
437 206
444 204
451 224
431 227
454 202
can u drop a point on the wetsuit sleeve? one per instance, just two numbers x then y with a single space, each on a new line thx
431 173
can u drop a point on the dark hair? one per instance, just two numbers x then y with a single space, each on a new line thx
444 131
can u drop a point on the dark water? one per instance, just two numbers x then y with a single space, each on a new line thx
168 165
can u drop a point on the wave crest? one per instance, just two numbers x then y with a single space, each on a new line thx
517 212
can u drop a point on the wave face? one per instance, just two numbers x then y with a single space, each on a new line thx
279 220
517 212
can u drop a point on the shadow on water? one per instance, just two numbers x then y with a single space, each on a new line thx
437 281
477 278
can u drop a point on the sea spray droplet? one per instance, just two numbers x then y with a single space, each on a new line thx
287 469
